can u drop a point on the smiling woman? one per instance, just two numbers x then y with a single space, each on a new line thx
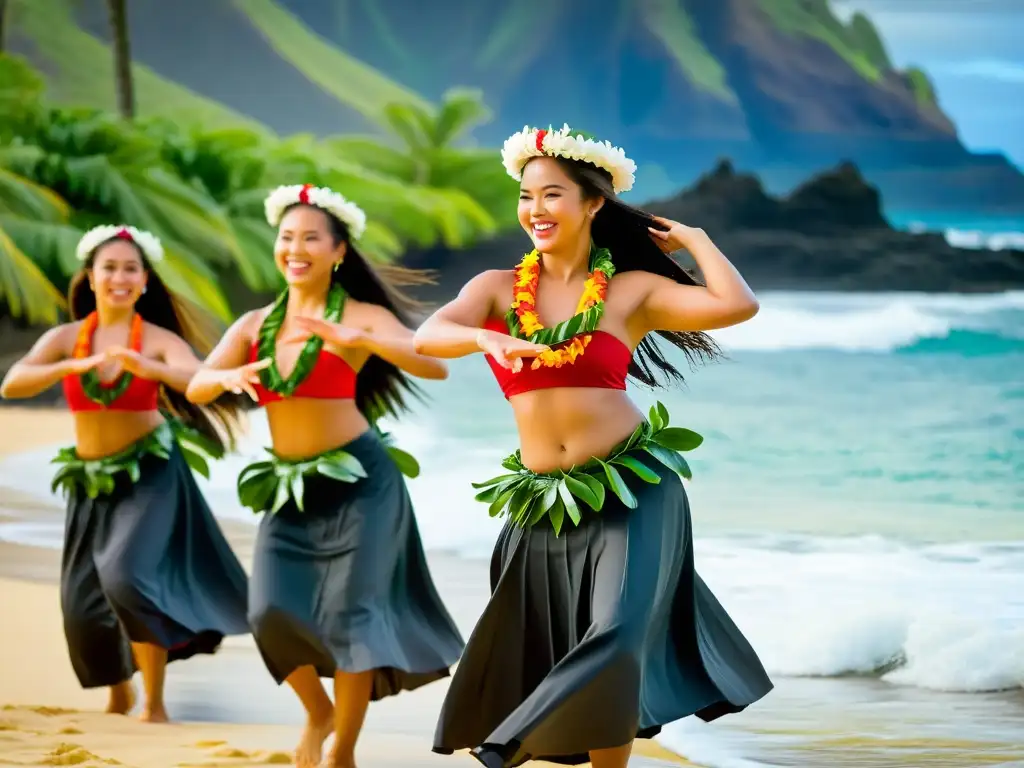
598 630
144 561
340 586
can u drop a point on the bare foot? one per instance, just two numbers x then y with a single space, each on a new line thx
311 743
122 698
154 715
339 760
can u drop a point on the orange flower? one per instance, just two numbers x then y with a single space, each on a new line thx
524 302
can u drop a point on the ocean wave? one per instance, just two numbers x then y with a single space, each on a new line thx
945 618
978 239
884 323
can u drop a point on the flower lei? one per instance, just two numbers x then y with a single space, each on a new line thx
94 389
270 376
523 321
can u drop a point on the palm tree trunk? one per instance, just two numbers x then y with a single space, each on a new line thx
118 15
3 29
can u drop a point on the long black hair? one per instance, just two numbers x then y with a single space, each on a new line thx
622 229
219 420
381 386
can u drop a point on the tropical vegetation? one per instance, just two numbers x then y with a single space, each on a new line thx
201 188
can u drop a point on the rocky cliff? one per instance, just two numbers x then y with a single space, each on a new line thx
827 234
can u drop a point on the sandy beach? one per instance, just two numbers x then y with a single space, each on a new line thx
227 710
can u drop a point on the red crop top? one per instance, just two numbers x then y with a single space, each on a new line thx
331 379
604 366
141 395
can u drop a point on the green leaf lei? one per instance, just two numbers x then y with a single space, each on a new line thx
98 477
270 376
526 497
270 484
104 395
582 323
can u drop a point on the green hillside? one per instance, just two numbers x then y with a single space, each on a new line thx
668 21
78 69
348 80
857 42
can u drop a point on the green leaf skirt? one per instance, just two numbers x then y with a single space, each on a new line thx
98 477
528 497
266 486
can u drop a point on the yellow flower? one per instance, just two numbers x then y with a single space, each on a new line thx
591 295
530 323
523 279
523 296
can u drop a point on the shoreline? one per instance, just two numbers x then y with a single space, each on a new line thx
229 712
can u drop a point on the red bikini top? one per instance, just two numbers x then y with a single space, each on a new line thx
604 366
331 379
141 395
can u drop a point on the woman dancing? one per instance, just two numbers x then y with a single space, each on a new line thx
340 585
598 629
144 561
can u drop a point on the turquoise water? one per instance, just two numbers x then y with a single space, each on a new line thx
862 480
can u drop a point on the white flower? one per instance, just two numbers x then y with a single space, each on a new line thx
147 242
346 211
520 147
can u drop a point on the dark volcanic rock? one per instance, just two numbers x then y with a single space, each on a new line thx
829 234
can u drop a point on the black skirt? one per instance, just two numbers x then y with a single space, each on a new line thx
146 563
345 585
592 638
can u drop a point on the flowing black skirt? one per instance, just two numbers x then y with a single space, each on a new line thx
345 585
595 637
146 564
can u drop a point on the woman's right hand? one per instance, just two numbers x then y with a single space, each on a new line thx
508 351
241 379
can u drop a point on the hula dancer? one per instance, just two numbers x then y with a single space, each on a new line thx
147 576
340 586
598 629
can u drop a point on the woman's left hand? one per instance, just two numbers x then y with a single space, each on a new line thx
332 333
134 362
675 236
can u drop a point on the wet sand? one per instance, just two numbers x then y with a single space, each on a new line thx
229 712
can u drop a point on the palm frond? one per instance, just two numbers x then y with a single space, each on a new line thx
23 197
23 286
51 246
461 109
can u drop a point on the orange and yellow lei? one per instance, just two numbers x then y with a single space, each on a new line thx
578 329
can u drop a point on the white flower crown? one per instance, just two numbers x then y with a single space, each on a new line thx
350 214
147 242
533 142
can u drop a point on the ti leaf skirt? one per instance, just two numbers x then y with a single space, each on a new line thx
597 636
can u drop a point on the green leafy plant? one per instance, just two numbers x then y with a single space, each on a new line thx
98 477
270 484
526 497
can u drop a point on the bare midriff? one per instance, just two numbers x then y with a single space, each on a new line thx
567 426
105 433
304 427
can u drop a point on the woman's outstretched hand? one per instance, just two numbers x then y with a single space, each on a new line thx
675 237
508 351
241 379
